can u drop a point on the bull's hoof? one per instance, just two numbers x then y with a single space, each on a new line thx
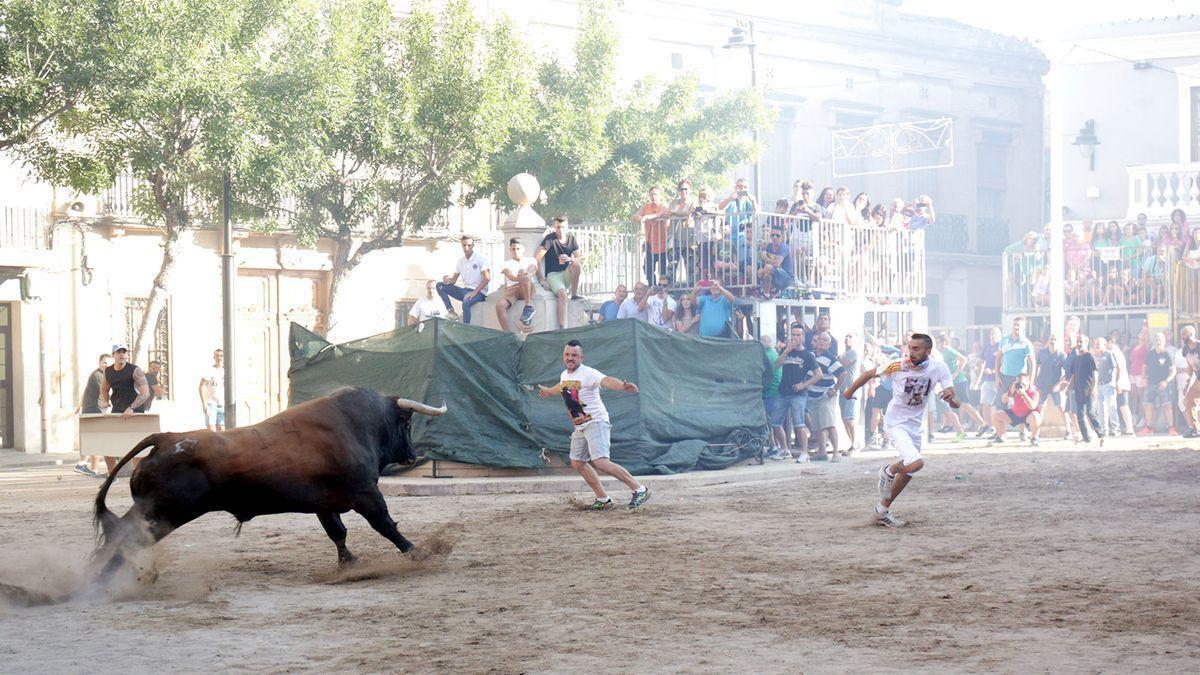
346 559
418 553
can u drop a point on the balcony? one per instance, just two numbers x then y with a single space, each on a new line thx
1158 189
829 259
24 239
1109 278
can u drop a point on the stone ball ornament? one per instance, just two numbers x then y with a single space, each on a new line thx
523 189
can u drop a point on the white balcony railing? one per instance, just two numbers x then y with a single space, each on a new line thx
828 258
1158 189
1096 279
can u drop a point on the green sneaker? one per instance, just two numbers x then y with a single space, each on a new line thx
960 437
603 505
640 497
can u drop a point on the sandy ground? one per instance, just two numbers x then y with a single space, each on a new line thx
1056 561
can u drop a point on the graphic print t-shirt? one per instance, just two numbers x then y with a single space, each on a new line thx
581 393
911 388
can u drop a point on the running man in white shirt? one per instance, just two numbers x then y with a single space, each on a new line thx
579 386
913 381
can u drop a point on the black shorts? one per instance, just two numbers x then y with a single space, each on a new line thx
972 397
1012 417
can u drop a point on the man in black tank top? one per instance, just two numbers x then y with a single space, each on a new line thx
125 387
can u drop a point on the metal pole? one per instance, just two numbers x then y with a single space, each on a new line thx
754 131
227 303
1056 253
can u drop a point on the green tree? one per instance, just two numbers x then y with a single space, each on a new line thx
47 65
183 105
401 113
595 149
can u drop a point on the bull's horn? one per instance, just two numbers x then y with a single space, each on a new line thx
416 406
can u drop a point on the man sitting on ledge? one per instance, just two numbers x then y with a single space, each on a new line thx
475 272
559 250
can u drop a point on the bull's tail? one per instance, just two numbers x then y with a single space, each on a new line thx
105 521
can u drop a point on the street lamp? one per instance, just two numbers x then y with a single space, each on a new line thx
1087 141
744 37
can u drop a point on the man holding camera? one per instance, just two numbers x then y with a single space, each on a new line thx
1020 406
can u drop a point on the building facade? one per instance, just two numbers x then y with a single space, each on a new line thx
854 64
88 264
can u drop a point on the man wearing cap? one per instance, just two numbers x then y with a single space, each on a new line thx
125 388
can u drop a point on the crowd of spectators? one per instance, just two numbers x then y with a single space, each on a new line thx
1103 385
1106 263
694 236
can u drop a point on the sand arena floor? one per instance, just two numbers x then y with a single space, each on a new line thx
1056 561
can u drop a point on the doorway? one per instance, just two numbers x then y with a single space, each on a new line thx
7 433
268 301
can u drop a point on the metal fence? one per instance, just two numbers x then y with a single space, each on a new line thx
1107 277
23 228
1186 285
827 259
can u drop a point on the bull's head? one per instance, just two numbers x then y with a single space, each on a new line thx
405 453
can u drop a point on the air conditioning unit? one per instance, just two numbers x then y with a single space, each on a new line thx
79 206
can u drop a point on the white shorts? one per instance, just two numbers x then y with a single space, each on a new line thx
590 441
907 442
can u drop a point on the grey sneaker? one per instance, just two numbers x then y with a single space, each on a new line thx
453 316
640 497
527 315
886 519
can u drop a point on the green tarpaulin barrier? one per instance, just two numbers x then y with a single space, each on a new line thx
695 392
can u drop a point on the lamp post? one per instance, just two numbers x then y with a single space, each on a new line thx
744 37
228 281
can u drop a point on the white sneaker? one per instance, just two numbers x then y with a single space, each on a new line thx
835 456
885 482
886 519
803 458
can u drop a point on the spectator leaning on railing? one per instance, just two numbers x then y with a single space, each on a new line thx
740 208
610 308
653 219
681 259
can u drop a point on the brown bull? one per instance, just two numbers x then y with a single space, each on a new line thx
321 457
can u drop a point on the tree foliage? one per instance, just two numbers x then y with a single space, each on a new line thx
179 108
400 112
47 64
595 148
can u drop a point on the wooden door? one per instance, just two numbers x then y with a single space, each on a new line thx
268 301
257 352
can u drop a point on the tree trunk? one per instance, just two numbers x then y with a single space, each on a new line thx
158 296
342 265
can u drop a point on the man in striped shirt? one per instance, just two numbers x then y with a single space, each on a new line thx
823 411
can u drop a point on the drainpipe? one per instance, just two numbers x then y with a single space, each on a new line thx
43 399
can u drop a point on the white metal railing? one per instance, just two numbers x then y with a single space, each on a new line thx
1159 189
1108 277
827 258
23 228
